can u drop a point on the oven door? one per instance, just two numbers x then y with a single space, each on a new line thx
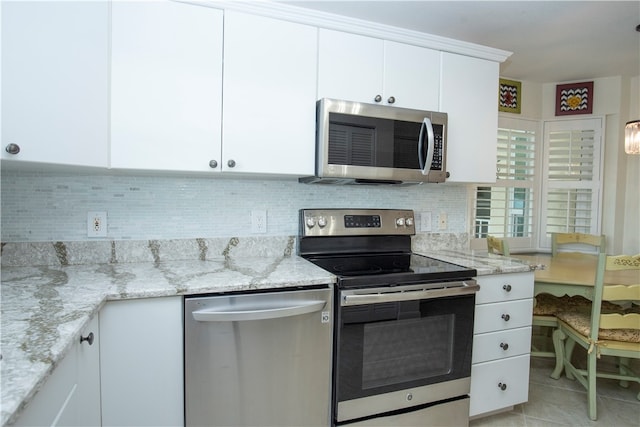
401 347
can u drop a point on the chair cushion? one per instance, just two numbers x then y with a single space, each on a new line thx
579 318
549 305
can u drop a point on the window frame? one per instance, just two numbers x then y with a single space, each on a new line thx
539 241
595 184
515 243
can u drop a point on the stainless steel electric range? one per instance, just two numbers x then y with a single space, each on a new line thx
404 322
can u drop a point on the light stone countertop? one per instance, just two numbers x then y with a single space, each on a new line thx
44 306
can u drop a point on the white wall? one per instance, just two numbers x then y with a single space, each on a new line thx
631 235
612 99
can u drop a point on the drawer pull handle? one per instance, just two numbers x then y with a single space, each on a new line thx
88 338
506 317
507 288
504 346
502 386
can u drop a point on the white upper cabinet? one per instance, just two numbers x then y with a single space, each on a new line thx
166 86
55 82
270 70
371 70
469 95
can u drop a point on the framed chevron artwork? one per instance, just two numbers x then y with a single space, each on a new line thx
574 98
510 96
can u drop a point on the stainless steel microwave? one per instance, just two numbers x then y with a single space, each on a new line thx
358 143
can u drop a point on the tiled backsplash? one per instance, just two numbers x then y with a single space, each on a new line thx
53 206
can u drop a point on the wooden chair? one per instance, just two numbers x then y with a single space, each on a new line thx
602 330
577 242
547 306
497 246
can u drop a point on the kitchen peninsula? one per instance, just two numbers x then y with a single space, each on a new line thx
52 290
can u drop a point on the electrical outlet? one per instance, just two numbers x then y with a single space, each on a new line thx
442 221
96 224
258 221
425 221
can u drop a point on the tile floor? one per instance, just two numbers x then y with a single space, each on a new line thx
563 402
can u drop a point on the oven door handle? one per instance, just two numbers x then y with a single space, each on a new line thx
258 312
408 295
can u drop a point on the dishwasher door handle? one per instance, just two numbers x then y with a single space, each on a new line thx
258 312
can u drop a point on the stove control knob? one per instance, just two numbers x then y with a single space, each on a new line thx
322 222
409 222
400 222
311 222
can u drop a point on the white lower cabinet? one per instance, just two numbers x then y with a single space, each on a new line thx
501 342
499 384
71 395
141 367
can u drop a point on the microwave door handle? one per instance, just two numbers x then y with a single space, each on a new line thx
425 164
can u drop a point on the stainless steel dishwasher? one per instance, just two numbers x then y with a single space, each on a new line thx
259 359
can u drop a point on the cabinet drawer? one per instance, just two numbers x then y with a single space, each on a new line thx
500 345
504 287
503 315
490 378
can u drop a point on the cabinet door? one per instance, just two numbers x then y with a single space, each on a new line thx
359 68
501 344
88 368
55 81
270 69
71 395
502 315
469 94
166 90
350 66
141 363
505 287
412 76
499 384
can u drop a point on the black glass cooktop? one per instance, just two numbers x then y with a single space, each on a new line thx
389 269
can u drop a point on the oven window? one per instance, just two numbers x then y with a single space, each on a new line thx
395 346
400 351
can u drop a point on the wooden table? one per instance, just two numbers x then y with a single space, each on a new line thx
572 274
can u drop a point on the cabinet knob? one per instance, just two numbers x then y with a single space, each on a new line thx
378 98
506 317
88 338
507 288
391 100
502 386
213 164
12 148
231 163
504 346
